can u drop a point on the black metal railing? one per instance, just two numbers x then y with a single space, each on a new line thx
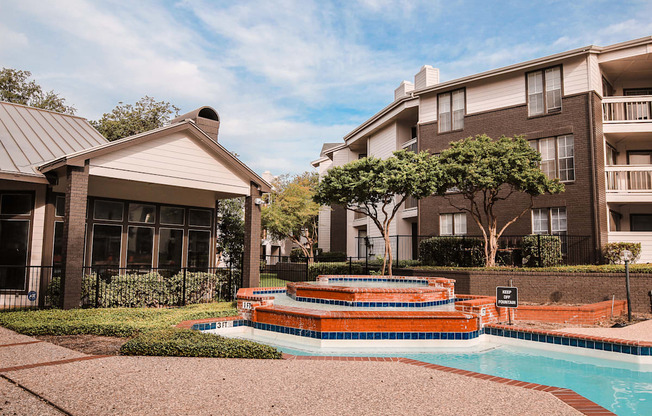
25 287
468 251
276 271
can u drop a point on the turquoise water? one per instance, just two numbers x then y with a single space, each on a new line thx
623 388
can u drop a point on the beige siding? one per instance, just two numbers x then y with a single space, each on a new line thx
341 157
324 166
383 143
325 228
428 108
635 237
498 93
595 77
175 160
38 227
576 76
624 53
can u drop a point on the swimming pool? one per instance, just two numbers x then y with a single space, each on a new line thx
623 388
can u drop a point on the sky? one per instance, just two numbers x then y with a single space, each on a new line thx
286 76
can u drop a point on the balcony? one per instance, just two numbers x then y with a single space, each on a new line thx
627 114
629 183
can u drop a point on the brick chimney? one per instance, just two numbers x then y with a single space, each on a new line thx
426 77
205 118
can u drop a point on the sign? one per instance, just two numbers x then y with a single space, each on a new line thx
31 295
506 297
246 305
223 324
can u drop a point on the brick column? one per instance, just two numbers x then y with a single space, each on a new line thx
251 264
74 228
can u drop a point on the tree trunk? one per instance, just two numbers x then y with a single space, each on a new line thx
491 250
388 253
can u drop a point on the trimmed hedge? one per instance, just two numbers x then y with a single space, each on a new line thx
189 343
317 269
452 251
613 252
115 322
548 255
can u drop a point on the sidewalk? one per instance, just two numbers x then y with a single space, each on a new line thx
78 384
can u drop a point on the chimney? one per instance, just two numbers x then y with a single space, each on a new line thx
403 90
426 77
205 118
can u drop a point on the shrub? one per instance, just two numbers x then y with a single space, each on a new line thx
331 256
613 252
317 269
452 251
189 343
542 250
296 254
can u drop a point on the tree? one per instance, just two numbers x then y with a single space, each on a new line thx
127 119
486 172
291 211
377 188
15 88
231 230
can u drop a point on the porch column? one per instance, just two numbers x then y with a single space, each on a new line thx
251 263
74 227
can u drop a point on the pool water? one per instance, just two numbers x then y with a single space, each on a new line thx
623 388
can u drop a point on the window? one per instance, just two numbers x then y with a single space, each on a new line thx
107 242
199 217
142 213
557 157
451 111
60 206
172 215
108 210
198 249
549 221
452 224
640 222
15 204
170 247
140 246
15 221
544 91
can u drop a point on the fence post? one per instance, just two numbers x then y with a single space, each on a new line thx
398 239
97 289
307 268
539 250
183 290
350 267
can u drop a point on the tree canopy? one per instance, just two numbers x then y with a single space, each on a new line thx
486 172
378 187
129 119
16 88
231 230
291 212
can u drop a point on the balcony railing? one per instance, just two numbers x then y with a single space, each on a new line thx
633 179
631 109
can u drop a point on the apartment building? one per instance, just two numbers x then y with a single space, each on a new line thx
587 110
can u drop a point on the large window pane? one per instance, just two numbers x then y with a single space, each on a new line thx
140 245
553 89
108 210
540 221
16 204
460 224
14 238
558 220
535 93
107 240
199 243
57 255
172 215
60 206
170 248
444 118
142 213
200 217
458 110
547 149
566 158
446 224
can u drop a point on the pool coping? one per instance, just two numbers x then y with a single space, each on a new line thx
568 396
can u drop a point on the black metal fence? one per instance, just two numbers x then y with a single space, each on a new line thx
24 287
513 250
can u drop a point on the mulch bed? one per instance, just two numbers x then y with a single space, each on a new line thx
87 344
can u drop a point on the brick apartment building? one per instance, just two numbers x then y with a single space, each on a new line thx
588 111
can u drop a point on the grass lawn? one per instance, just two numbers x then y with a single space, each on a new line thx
117 322
270 280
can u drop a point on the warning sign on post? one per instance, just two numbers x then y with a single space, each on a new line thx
506 297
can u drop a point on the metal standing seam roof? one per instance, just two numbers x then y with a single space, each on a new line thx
30 136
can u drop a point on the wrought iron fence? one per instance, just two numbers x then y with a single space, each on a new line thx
276 271
24 287
513 250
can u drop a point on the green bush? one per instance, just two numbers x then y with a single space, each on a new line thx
135 290
452 251
331 256
189 343
296 254
119 322
542 250
317 269
613 252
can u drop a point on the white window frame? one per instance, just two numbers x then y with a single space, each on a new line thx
556 221
454 102
564 154
458 224
544 91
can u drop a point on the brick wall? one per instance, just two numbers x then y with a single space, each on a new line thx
548 287
578 198
338 228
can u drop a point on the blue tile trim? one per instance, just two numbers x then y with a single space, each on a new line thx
576 342
268 291
423 282
356 304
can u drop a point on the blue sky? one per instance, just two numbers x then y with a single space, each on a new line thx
286 76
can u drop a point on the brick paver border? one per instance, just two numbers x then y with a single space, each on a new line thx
49 363
568 396
20 343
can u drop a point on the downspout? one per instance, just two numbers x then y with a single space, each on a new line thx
594 178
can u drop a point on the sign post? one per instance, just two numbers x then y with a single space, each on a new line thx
507 297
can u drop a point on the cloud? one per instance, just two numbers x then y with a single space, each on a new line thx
12 40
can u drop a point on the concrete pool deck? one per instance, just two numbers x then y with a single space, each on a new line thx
641 331
91 385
